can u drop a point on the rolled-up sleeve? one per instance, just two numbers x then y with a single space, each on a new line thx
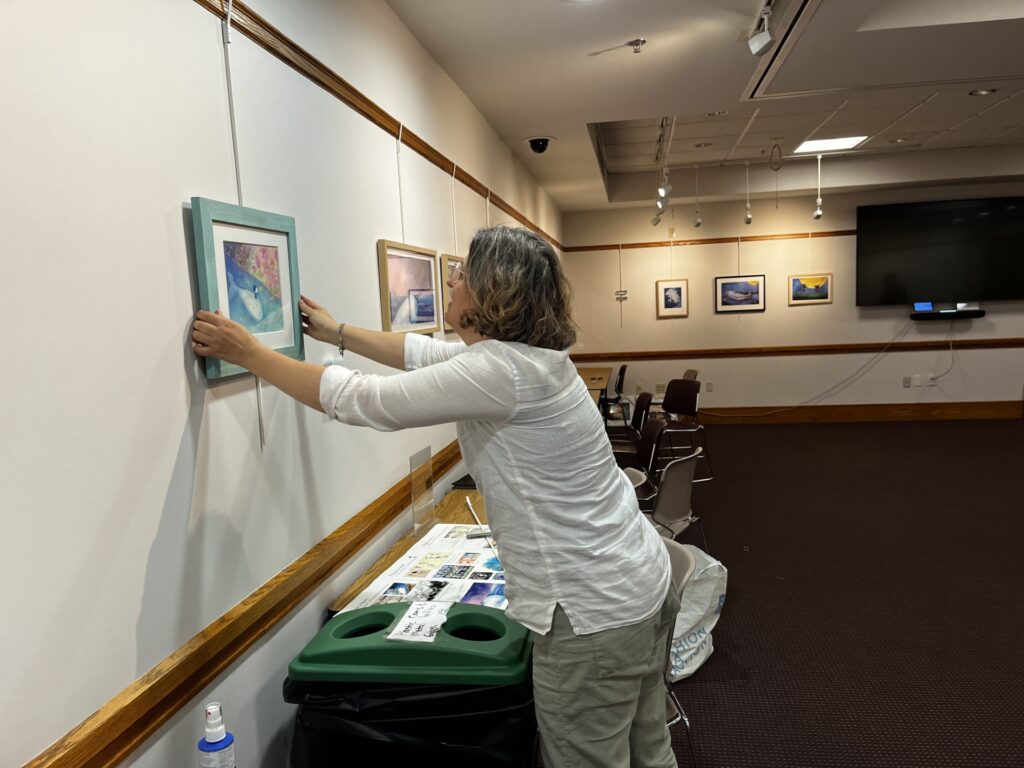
421 351
467 386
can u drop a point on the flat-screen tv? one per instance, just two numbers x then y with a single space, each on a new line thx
951 251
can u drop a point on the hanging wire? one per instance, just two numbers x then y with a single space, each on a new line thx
487 209
226 38
398 161
455 223
619 293
775 163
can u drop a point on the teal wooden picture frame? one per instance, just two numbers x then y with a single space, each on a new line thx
242 270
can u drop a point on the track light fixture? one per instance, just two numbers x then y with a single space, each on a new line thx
661 203
664 188
749 217
817 210
697 220
656 219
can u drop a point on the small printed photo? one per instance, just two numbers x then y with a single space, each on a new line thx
490 595
468 558
499 576
427 590
480 575
739 293
459 531
492 564
400 588
426 564
453 571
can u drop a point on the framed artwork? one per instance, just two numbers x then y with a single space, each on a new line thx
247 267
739 293
408 288
810 289
672 298
449 264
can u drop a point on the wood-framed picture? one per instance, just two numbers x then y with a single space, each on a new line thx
408 288
672 297
810 289
247 266
449 264
739 293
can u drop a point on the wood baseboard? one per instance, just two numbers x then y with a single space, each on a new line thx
121 725
822 414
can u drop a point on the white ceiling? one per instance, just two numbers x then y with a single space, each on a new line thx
887 69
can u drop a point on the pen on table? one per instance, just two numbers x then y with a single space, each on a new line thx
472 511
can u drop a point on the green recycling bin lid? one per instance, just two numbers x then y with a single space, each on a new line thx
476 645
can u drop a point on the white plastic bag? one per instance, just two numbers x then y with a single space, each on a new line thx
699 608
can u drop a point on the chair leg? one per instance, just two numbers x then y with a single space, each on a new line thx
680 716
700 523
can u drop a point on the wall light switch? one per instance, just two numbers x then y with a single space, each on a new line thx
917 379
709 386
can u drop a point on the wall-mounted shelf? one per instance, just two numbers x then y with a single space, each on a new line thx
948 314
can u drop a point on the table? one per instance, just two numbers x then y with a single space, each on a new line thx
451 509
596 380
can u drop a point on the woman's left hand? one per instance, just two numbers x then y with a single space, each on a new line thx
214 335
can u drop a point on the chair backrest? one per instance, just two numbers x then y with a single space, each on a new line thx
640 411
681 397
683 564
650 439
690 373
620 379
674 490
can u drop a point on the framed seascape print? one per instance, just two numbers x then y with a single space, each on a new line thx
449 264
739 293
247 267
672 297
810 289
408 288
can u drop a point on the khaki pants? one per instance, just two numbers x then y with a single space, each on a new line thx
600 698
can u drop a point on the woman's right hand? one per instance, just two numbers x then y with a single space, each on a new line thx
317 321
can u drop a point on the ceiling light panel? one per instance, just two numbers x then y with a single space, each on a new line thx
829 145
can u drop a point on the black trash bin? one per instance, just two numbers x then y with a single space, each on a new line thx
366 700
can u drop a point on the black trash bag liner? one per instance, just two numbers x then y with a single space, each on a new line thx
365 723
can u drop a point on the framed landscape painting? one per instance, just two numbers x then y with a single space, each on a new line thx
408 288
672 298
810 289
247 267
739 293
448 266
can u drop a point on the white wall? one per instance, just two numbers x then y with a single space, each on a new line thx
977 375
138 506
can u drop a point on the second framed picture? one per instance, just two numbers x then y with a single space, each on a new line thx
450 266
408 288
672 298
810 289
739 293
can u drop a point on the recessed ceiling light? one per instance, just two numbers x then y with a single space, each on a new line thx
982 92
829 145
702 144
717 113
898 141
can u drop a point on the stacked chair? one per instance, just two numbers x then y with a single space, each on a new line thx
615 406
680 403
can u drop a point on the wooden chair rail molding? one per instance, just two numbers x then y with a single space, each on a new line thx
118 727
807 349
710 241
830 414
271 39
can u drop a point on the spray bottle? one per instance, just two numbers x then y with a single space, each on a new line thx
217 750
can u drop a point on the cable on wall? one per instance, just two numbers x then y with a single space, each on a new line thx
839 386
398 162
487 209
226 38
621 295
455 223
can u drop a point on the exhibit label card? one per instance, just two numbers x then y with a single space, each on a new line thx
421 622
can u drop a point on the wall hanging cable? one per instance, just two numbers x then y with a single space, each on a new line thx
620 295
226 38
487 209
455 223
398 162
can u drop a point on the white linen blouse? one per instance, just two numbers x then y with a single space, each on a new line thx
563 515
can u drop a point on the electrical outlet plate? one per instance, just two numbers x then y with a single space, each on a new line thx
709 386
659 389
932 381
906 382
917 379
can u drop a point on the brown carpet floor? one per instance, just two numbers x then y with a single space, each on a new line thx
875 615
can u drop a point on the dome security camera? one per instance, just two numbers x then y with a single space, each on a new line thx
539 144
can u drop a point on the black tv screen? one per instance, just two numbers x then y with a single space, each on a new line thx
951 251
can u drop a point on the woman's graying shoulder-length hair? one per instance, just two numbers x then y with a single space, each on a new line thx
519 289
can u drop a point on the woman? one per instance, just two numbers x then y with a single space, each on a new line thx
584 569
